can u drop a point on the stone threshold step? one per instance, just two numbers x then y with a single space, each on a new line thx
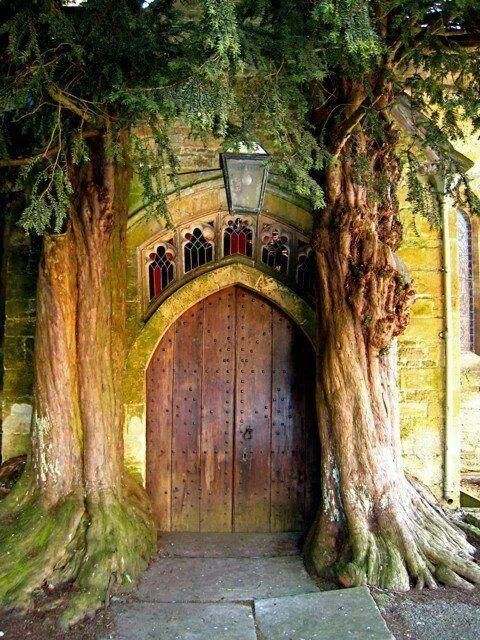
346 614
228 545
349 614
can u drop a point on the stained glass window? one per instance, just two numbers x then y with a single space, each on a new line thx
465 266
198 249
275 251
306 269
161 270
238 238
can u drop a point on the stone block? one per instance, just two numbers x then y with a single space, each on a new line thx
428 307
427 281
18 351
422 378
421 257
331 615
420 353
414 410
20 308
18 327
184 544
428 329
14 444
17 383
187 621
228 579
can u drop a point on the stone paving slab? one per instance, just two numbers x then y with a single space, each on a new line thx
223 579
346 614
225 545
155 621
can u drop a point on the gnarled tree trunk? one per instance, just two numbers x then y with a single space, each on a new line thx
374 526
76 508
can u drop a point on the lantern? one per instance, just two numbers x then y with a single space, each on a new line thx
245 175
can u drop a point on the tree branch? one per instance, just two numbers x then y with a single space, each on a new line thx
81 111
21 162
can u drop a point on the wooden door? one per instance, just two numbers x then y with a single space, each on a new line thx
231 435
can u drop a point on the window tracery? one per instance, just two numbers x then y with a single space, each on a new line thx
305 274
198 246
238 237
465 267
173 256
275 248
161 270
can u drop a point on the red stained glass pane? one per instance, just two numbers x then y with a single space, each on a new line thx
161 271
238 238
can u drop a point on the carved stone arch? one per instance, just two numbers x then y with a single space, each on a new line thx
171 309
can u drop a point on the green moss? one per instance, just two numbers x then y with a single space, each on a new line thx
18 351
103 551
33 543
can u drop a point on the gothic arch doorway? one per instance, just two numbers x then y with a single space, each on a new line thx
231 434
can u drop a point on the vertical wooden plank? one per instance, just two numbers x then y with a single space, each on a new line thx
187 395
159 430
252 413
217 411
288 426
312 443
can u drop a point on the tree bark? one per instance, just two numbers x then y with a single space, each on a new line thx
93 521
374 526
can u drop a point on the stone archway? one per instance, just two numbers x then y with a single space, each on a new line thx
139 356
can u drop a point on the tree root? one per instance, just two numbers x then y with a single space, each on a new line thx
409 543
120 540
101 545
35 544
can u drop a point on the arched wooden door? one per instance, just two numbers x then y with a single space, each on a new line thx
231 438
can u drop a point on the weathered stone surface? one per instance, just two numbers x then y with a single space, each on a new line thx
223 579
20 308
154 621
235 545
16 429
470 413
331 615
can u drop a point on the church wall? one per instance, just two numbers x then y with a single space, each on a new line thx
18 343
421 349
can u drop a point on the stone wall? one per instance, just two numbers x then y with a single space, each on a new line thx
422 355
18 343
470 413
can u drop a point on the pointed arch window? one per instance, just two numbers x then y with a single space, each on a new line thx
161 269
238 237
305 275
466 283
275 249
198 247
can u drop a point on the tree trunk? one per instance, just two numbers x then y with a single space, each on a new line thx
374 526
93 521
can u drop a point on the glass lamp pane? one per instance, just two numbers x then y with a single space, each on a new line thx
245 178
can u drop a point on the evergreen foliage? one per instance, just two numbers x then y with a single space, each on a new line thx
314 56
71 72
280 71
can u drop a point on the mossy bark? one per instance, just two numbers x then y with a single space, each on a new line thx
76 515
374 525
